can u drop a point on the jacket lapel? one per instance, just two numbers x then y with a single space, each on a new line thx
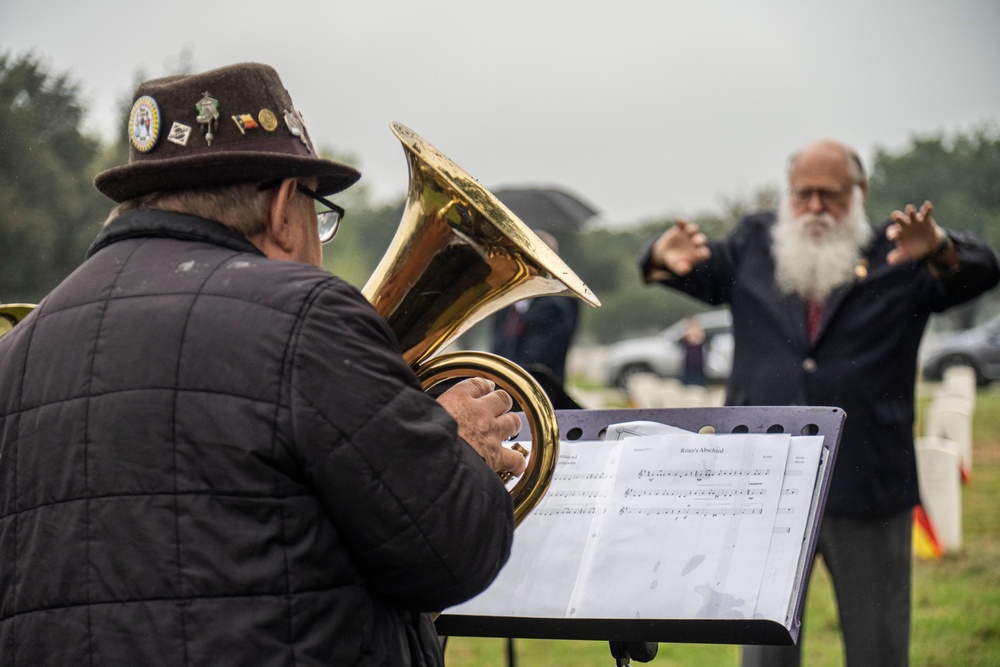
790 311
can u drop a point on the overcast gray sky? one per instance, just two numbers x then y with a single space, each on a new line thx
643 108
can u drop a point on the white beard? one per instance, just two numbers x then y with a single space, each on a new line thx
814 253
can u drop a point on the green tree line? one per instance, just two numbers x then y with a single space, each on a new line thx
50 211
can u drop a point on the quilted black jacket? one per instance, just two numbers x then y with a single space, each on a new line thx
208 457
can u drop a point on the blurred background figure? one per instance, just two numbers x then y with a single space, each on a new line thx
536 334
694 353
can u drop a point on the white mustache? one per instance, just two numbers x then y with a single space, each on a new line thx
816 222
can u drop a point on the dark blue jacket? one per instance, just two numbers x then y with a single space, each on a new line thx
863 360
541 336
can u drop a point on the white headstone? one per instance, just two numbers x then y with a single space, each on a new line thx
941 488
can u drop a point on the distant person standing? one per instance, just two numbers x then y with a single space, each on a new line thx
693 343
536 333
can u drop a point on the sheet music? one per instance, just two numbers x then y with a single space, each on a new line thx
658 526
789 527
550 543
706 507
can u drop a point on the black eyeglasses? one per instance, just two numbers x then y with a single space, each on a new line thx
327 219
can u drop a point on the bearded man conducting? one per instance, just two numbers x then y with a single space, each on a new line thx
829 311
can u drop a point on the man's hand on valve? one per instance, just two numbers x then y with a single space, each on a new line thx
485 422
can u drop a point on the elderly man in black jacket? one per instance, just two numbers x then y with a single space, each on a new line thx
211 450
828 311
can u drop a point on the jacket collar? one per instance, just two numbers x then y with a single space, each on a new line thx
165 224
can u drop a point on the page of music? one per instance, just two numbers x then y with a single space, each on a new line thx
658 523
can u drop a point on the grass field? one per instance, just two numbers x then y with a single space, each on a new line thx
956 601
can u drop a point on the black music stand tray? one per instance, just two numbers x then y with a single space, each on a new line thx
590 425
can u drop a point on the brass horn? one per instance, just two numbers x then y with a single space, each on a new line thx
458 256
11 314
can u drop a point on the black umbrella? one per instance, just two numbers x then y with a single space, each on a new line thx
550 209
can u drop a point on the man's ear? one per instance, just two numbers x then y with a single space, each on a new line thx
278 231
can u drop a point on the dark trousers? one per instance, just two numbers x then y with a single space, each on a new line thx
869 561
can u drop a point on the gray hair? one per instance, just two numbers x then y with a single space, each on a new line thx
242 208
857 168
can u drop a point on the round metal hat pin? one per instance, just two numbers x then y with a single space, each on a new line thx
268 120
144 124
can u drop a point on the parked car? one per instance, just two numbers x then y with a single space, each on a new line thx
978 347
663 354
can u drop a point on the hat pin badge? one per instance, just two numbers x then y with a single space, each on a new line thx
208 115
297 127
244 122
144 124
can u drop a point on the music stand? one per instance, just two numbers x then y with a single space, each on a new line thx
591 425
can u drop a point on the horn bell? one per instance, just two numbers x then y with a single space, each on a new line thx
458 256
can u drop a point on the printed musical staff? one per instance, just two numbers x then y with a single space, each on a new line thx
709 492
691 511
706 473
574 493
582 476
565 509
